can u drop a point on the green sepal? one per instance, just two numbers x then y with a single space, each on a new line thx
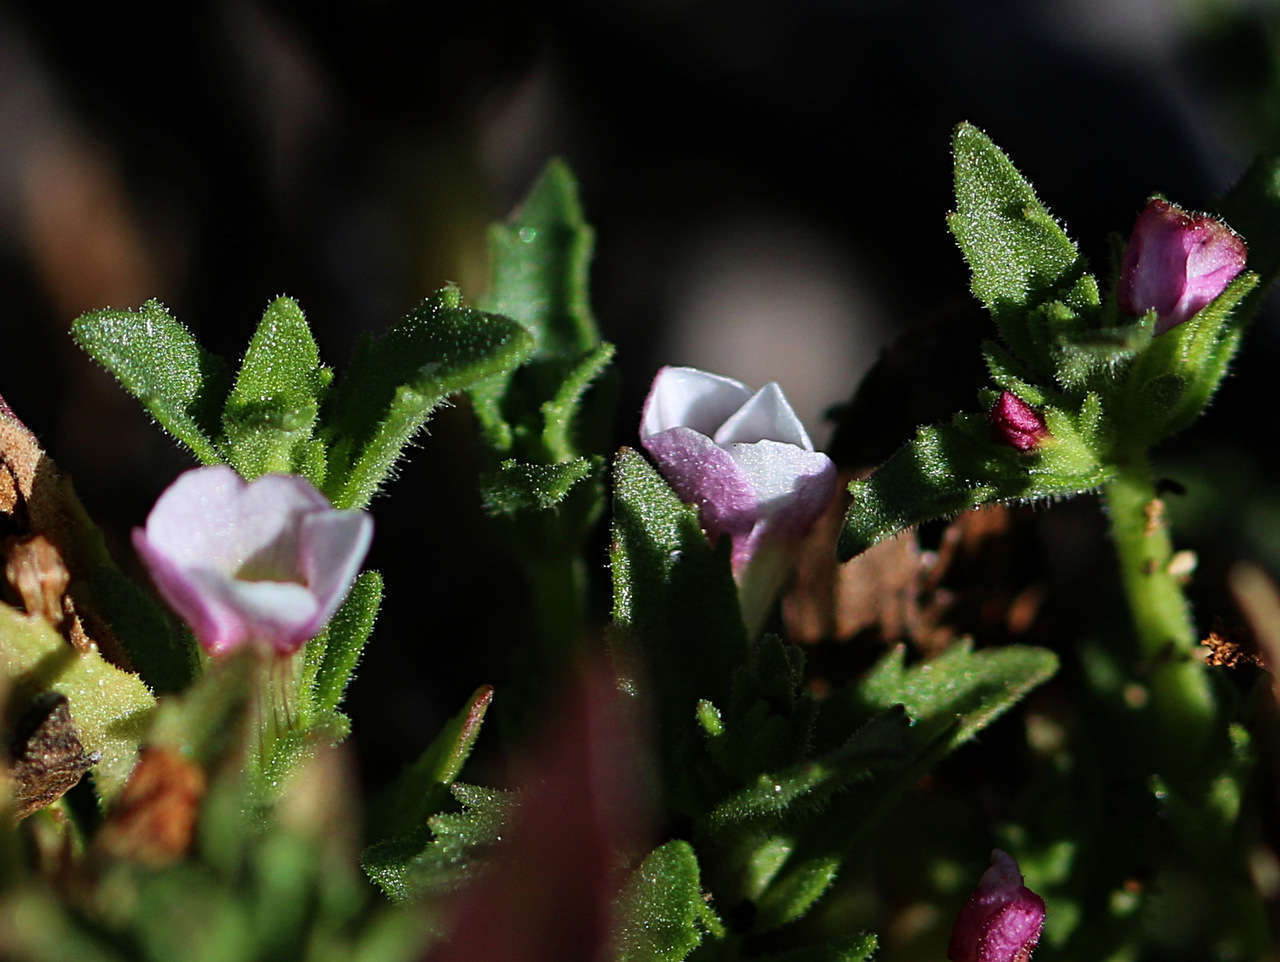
674 597
662 914
442 347
331 656
1085 357
853 948
953 467
1018 254
1172 381
111 708
422 790
272 409
441 857
157 360
520 486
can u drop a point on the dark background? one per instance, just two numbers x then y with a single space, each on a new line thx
767 182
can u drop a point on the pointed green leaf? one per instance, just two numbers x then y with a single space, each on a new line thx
331 657
539 261
879 743
971 688
661 910
156 359
854 948
441 348
423 788
673 594
950 468
272 408
560 414
520 486
443 858
111 708
1018 254
796 891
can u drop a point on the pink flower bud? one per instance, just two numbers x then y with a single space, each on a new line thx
1016 422
264 563
747 462
1001 921
1177 263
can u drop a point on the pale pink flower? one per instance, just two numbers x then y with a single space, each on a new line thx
263 563
747 463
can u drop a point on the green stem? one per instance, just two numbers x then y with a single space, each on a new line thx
1181 699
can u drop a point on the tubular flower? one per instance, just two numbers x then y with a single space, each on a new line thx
1177 263
1001 922
264 563
747 462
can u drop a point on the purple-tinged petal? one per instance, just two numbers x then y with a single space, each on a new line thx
1017 423
334 544
702 473
216 627
765 417
687 397
1002 919
1177 263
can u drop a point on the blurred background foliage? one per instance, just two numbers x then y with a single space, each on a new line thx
767 183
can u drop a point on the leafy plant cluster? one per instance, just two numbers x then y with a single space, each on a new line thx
761 794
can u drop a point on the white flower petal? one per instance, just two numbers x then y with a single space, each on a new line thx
791 484
333 545
765 417
687 397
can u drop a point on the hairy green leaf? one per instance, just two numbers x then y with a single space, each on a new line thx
331 656
950 468
661 910
423 789
157 360
854 948
519 486
443 857
1018 254
394 384
673 594
272 409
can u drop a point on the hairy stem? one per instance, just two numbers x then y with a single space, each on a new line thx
1181 699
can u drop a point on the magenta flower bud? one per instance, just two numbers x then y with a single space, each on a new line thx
1016 422
747 462
1001 921
1177 263
264 563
